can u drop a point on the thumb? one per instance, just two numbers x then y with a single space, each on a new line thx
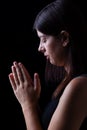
37 84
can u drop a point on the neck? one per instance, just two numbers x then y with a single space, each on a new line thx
68 64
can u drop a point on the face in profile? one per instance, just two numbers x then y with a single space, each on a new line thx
52 48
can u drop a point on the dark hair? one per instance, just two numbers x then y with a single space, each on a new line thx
49 20
66 15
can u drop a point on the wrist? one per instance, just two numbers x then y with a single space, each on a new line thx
29 107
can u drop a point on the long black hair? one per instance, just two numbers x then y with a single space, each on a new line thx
66 15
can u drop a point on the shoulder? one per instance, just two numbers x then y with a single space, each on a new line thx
76 92
78 83
72 107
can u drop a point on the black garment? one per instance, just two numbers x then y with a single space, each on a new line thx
49 110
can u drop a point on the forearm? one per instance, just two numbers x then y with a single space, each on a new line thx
27 94
31 116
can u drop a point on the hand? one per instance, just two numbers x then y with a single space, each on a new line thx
24 89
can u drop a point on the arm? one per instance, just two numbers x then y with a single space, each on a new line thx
31 118
27 94
70 112
72 107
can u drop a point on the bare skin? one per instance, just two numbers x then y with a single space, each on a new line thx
72 107
71 110
27 94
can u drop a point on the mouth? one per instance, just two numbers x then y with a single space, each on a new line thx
46 56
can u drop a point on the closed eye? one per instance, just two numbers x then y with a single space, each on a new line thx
43 39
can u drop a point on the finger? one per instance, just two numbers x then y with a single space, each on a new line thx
19 72
37 85
12 81
25 73
15 75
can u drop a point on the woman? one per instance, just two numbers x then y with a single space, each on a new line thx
62 32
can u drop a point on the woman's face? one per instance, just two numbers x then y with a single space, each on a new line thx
52 48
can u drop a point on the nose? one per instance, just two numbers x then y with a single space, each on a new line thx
41 48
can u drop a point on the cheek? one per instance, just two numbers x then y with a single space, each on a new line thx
49 49
54 49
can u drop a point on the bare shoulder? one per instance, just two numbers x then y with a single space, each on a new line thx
72 107
78 83
79 79
76 91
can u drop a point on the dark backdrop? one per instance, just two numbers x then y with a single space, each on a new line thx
18 42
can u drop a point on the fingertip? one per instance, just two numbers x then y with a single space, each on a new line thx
36 74
14 62
20 63
10 75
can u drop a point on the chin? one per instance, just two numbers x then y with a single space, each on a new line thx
53 62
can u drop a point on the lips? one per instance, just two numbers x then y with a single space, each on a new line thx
47 57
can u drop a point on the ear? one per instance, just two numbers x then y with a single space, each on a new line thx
64 38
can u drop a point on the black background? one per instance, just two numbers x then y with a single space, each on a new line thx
18 42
